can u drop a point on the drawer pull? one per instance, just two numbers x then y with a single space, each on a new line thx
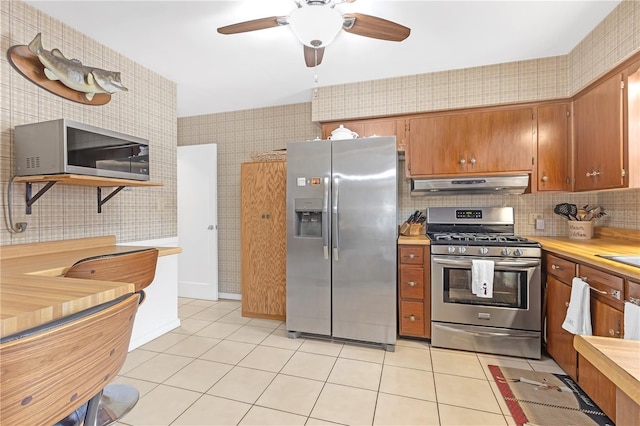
566 304
411 283
412 256
613 332
411 317
556 267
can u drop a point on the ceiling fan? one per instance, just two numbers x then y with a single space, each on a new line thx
316 23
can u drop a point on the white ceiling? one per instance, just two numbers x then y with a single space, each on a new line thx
216 73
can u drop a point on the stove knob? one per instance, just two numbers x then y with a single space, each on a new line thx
506 252
517 252
451 249
484 250
462 250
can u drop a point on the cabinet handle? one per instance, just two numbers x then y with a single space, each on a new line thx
463 161
411 283
556 267
412 256
566 304
544 178
473 161
585 279
613 332
411 317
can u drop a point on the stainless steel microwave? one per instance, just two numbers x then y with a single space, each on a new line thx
65 146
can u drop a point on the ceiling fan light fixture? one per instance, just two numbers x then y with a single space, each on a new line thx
315 26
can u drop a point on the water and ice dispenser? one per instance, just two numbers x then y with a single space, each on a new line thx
308 221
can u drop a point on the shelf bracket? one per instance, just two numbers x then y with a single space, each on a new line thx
32 199
102 201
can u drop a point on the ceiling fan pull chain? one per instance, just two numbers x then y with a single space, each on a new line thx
315 89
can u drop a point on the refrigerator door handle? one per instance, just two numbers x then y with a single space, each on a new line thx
325 219
334 220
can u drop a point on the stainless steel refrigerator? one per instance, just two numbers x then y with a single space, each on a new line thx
341 239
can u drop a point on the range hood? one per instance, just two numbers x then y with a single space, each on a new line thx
470 185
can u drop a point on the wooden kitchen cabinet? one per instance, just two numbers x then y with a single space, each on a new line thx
485 141
554 148
371 127
500 141
437 145
414 291
263 239
559 273
598 121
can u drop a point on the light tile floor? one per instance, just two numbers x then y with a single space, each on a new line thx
220 368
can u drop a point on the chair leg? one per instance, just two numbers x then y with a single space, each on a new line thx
116 402
92 410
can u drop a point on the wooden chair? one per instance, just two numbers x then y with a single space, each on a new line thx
51 370
139 268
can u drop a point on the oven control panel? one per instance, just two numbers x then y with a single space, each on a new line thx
469 214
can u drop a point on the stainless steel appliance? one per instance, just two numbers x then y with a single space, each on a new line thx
341 239
66 146
509 322
501 184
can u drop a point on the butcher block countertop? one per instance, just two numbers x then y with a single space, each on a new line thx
33 291
420 240
617 359
607 241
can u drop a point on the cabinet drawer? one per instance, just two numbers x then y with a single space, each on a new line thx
413 255
562 269
609 286
411 282
632 291
412 318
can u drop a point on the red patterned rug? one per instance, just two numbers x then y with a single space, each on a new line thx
546 399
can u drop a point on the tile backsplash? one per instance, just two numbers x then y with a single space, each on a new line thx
148 110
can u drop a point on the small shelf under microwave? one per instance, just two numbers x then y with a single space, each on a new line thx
78 180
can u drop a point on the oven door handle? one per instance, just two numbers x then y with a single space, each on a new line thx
501 264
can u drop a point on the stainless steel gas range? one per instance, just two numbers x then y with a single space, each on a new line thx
485 282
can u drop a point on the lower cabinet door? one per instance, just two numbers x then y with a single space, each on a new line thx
598 387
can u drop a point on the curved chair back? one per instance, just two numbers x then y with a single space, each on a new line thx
51 370
137 267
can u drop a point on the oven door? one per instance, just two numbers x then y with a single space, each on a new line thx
516 301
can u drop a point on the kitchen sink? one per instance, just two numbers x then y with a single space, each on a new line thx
628 260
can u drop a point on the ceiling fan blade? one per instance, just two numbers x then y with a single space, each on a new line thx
310 55
256 24
374 27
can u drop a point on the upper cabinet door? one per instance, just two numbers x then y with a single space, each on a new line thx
437 145
599 137
500 141
553 147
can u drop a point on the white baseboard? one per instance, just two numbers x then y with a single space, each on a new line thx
141 340
231 296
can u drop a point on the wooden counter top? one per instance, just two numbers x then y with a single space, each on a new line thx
32 290
420 240
606 241
617 359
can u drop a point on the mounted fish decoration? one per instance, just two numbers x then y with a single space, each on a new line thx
73 74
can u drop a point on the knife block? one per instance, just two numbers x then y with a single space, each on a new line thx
416 229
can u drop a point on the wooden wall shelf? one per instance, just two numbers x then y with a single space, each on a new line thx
78 180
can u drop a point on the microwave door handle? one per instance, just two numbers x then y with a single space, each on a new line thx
325 219
510 265
334 220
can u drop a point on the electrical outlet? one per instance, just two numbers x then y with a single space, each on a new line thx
533 217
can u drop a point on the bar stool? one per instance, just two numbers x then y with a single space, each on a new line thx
137 267
53 369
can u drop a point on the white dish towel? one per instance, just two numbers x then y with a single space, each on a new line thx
631 321
482 277
578 319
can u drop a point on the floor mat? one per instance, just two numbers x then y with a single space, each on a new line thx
546 399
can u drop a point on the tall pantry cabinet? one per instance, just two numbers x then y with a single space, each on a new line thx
263 239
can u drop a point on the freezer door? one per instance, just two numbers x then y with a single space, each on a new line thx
308 239
364 220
